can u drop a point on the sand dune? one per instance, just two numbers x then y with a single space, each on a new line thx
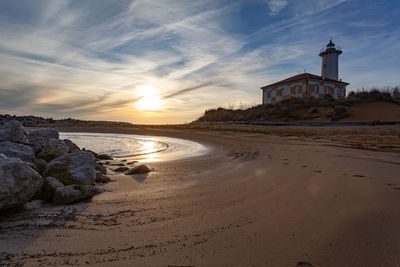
256 200
383 111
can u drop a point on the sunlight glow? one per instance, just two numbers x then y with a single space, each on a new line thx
150 99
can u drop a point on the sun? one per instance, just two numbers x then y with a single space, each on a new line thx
150 100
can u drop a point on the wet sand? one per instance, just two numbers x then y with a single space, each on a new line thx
258 198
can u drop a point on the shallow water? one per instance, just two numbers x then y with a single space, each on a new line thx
138 147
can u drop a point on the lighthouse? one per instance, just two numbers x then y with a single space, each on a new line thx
330 61
305 85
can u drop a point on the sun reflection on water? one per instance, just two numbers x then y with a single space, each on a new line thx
148 147
137 147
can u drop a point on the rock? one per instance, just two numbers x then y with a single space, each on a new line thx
34 204
99 167
40 165
52 149
14 150
132 162
50 185
93 153
104 157
121 169
138 170
18 183
38 138
13 131
116 164
101 178
74 193
42 135
72 147
75 168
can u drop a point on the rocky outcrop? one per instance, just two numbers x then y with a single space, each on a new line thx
104 157
40 165
14 150
50 185
52 149
99 167
13 131
72 147
68 173
38 138
76 168
101 178
18 183
34 204
73 193
121 169
138 170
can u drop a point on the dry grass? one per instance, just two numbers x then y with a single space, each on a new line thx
301 109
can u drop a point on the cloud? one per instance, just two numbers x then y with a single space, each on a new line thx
87 58
275 6
186 90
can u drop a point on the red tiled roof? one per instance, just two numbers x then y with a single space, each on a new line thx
303 76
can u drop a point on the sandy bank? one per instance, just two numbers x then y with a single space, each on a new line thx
384 111
263 197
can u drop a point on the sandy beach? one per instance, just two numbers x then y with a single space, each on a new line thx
262 196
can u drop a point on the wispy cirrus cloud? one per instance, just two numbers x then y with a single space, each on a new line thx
275 6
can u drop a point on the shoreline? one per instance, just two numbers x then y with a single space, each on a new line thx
278 191
384 138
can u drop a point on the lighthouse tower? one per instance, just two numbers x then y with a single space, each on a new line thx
330 61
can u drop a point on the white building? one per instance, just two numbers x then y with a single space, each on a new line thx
307 85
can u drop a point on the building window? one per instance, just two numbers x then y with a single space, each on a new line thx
339 92
316 88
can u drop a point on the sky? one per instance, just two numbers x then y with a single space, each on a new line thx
166 61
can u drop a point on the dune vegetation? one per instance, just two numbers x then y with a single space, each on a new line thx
303 109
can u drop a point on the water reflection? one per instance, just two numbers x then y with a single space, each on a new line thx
137 147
